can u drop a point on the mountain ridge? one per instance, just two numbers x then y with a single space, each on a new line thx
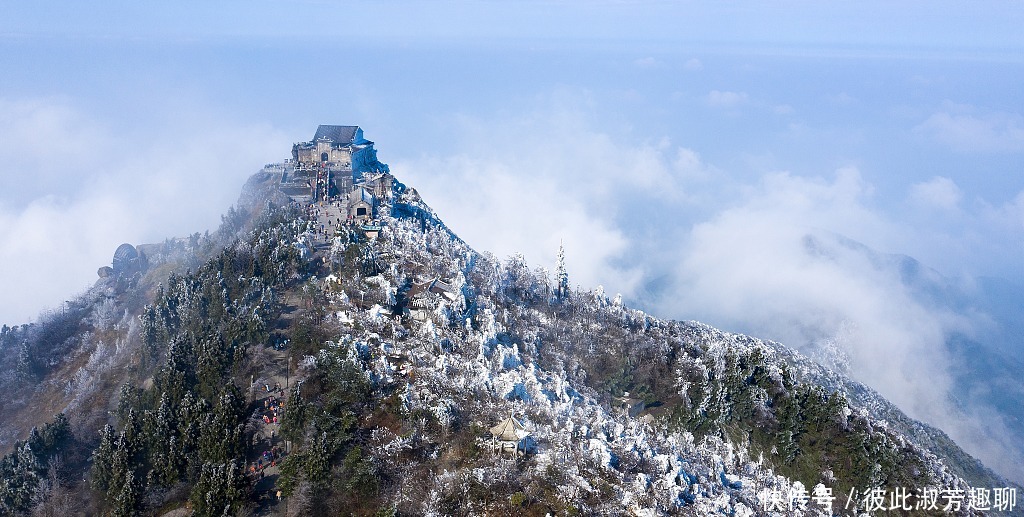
387 390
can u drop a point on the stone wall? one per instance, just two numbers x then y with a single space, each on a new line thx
341 157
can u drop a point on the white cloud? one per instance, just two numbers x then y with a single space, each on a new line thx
967 129
688 167
938 192
1007 218
50 250
73 191
841 98
1015 210
693 64
769 263
747 264
647 62
505 210
726 99
44 138
516 188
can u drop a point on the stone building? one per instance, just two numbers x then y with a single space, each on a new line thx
339 148
360 205
379 184
332 145
127 260
422 302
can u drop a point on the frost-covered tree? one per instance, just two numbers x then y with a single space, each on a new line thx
126 503
221 489
103 459
165 450
561 276
21 475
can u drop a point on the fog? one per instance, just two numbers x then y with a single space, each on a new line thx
76 188
778 255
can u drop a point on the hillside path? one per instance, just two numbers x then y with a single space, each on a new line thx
269 395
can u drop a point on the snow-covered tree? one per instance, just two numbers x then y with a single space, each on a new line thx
561 276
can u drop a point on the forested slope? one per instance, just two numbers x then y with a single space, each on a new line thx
400 352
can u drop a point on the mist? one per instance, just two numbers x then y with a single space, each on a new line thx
813 261
76 188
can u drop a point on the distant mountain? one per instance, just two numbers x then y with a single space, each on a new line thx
318 360
985 354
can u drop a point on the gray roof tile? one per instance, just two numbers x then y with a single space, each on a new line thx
336 134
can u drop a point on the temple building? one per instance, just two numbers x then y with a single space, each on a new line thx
510 435
339 148
360 205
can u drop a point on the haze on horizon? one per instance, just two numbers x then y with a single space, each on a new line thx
682 152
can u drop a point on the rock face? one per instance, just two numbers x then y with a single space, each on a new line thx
105 272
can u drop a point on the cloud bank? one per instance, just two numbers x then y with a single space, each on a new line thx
968 129
75 189
774 254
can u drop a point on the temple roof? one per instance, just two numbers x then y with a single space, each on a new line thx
336 134
435 286
509 430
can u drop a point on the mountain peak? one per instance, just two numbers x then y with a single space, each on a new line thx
334 347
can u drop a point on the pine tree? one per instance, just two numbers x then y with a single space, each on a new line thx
222 436
127 500
318 460
222 489
189 419
150 334
20 474
126 458
26 369
103 459
561 277
164 448
178 372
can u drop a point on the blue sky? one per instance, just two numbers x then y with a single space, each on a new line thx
682 151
